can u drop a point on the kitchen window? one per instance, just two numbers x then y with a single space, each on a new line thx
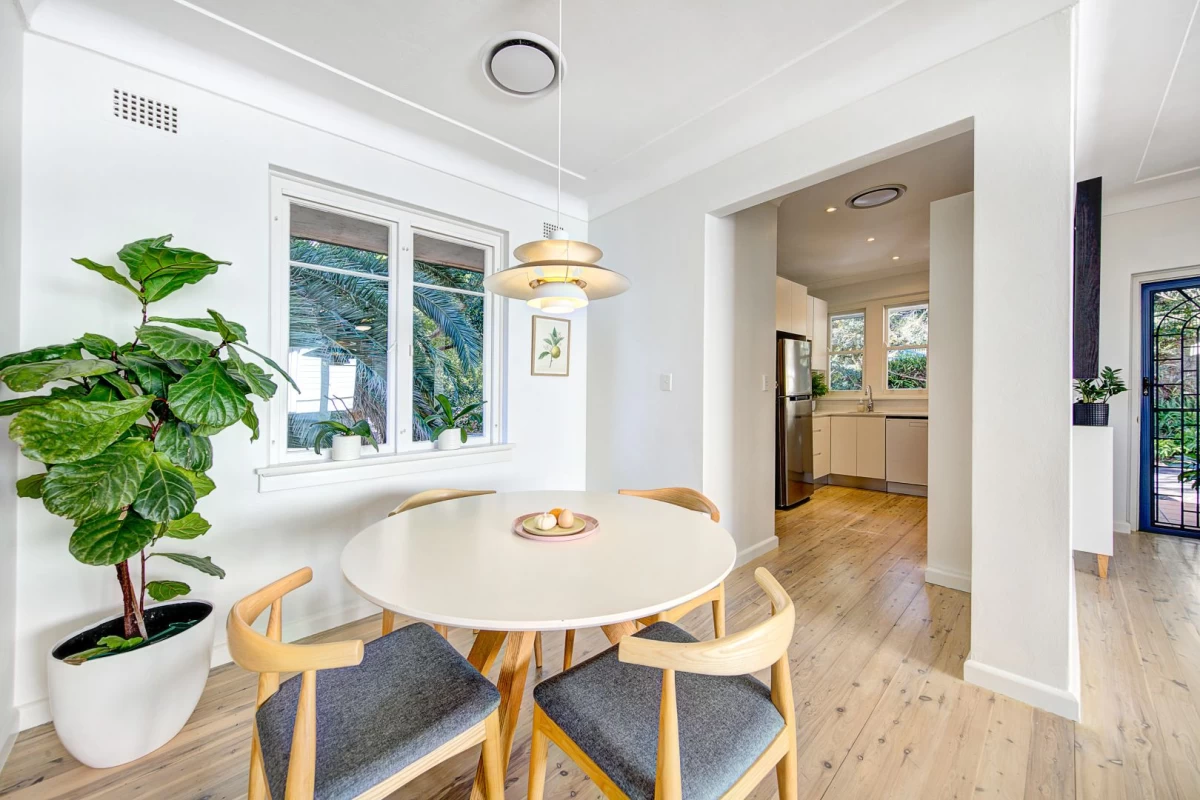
377 309
908 347
847 341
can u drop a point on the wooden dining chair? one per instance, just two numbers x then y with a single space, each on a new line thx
358 721
704 728
693 501
427 498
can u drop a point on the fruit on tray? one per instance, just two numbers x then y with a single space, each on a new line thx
547 521
566 518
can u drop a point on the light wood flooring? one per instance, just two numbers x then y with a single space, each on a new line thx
882 710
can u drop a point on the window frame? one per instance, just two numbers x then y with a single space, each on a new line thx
403 221
888 308
849 312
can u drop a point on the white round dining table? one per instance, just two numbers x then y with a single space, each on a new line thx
458 563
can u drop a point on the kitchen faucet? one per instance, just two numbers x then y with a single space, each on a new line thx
870 399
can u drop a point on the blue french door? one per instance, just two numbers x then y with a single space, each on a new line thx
1170 388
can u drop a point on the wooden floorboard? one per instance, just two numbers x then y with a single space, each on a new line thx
882 710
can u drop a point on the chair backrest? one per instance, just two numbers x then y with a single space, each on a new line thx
679 496
269 655
431 496
765 644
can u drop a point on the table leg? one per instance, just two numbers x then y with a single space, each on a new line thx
486 648
619 631
513 672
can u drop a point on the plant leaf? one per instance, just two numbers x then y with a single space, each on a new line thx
101 485
169 343
97 345
208 396
205 564
166 492
250 420
167 590
21 403
230 331
204 324
201 483
152 373
178 268
180 443
189 527
66 431
271 364
108 272
51 352
257 381
31 377
31 486
123 387
110 538
133 255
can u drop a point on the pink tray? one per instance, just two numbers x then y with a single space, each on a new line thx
589 527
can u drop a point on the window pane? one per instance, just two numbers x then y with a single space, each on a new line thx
337 352
848 332
845 372
442 262
447 354
908 326
336 240
339 257
451 277
906 368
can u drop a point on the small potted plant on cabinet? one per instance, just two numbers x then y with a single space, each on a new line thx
1091 407
819 387
123 436
346 439
446 424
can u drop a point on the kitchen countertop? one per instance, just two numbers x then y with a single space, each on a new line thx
882 414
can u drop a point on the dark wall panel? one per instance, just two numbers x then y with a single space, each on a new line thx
1087 279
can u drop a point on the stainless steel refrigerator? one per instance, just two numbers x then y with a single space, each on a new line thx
793 418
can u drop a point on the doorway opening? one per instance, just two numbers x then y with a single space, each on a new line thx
1170 447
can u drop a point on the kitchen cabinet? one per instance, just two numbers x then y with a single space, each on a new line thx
908 451
821 454
870 446
791 307
843 445
818 333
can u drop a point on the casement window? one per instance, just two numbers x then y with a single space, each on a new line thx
908 347
376 310
847 342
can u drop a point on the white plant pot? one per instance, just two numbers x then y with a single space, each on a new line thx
113 710
450 439
347 448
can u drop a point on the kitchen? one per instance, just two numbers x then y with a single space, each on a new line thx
853 325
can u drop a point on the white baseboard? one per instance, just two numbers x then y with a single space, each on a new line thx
752 552
950 578
1040 695
9 729
37 712
1122 527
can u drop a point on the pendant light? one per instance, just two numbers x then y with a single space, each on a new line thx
560 274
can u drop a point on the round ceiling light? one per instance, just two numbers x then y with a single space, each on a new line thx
877 196
522 64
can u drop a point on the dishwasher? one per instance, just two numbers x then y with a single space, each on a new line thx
907 455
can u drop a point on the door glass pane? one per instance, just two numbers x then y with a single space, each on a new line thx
337 324
1174 423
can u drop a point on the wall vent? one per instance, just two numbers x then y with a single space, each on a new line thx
549 229
141 110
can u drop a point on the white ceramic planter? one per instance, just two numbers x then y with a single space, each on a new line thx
347 448
113 710
450 439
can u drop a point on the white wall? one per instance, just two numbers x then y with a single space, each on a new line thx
846 294
12 36
1144 245
739 351
1016 91
91 184
951 244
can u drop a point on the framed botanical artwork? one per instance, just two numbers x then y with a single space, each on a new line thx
551 352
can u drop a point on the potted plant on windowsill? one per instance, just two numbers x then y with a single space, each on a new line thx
446 424
346 439
819 387
124 434
1094 393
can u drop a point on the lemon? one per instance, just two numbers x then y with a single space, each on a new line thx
555 351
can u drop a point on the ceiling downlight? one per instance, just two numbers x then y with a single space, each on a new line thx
877 196
522 64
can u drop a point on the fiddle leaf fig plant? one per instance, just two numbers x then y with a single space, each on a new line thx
124 431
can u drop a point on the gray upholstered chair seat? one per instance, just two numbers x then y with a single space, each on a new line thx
610 710
412 693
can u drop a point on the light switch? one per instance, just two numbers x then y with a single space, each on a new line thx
666 381
765 385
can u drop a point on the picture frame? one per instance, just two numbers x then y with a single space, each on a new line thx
550 334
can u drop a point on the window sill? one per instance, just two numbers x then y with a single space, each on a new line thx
321 473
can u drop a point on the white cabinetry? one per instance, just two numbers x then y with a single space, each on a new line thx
818 333
1092 492
820 447
908 451
843 446
870 447
791 307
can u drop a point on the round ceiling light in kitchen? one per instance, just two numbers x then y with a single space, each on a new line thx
522 64
877 196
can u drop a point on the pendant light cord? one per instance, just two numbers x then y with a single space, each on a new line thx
561 62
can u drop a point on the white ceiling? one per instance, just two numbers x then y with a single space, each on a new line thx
1139 99
654 90
820 249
